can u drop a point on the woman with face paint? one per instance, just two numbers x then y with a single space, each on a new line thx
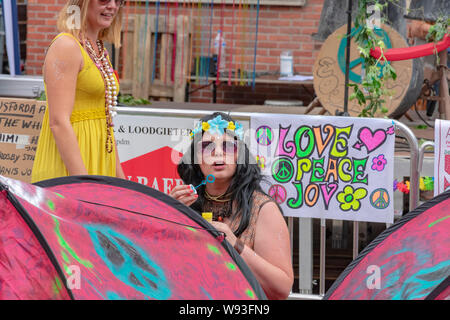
250 219
81 88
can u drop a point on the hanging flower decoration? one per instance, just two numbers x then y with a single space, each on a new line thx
403 187
421 184
350 198
428 183
425 184
395 184
379 162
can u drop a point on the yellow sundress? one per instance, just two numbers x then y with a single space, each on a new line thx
88 120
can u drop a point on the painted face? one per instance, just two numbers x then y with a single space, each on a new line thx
101 13
217 155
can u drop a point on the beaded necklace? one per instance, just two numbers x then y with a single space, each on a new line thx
220 205
104 66
220 210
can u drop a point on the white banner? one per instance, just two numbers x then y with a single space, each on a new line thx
441 156
327 167
150 147
139 134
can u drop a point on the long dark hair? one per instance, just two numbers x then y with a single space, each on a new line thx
244 183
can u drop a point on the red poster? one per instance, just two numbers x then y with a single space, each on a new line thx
156 169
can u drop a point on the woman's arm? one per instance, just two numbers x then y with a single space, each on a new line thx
119 169
61 67
270 261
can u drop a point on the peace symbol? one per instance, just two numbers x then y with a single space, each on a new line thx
264 135
379 198
341 57
282 170
278 193
128 262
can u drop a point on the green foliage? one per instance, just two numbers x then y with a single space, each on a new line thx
422 140
437 31
129 100
371 91
123 99
42 97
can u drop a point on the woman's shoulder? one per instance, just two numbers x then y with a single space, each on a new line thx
64 54
65 49
267 209
65 43
66 38
260 199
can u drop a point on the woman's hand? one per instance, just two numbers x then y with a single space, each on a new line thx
184 194
119 171
223 227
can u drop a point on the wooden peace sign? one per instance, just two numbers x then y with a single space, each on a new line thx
329 74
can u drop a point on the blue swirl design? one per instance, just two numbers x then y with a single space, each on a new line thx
419 284
129 263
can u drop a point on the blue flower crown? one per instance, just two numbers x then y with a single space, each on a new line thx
219 126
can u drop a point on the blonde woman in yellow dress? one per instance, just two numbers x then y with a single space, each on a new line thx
81 88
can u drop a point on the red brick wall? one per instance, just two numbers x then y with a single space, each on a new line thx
280 28
41 28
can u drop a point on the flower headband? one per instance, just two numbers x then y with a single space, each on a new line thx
218 126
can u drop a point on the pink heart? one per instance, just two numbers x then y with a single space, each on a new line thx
372 140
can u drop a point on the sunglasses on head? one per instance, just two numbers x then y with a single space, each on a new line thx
119 3
227 146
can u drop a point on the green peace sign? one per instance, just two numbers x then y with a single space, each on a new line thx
342 48
282 170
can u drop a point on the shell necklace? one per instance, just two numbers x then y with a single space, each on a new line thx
104 66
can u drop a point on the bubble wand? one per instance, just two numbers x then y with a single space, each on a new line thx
209 179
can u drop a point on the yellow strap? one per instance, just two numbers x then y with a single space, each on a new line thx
66 34
83 51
